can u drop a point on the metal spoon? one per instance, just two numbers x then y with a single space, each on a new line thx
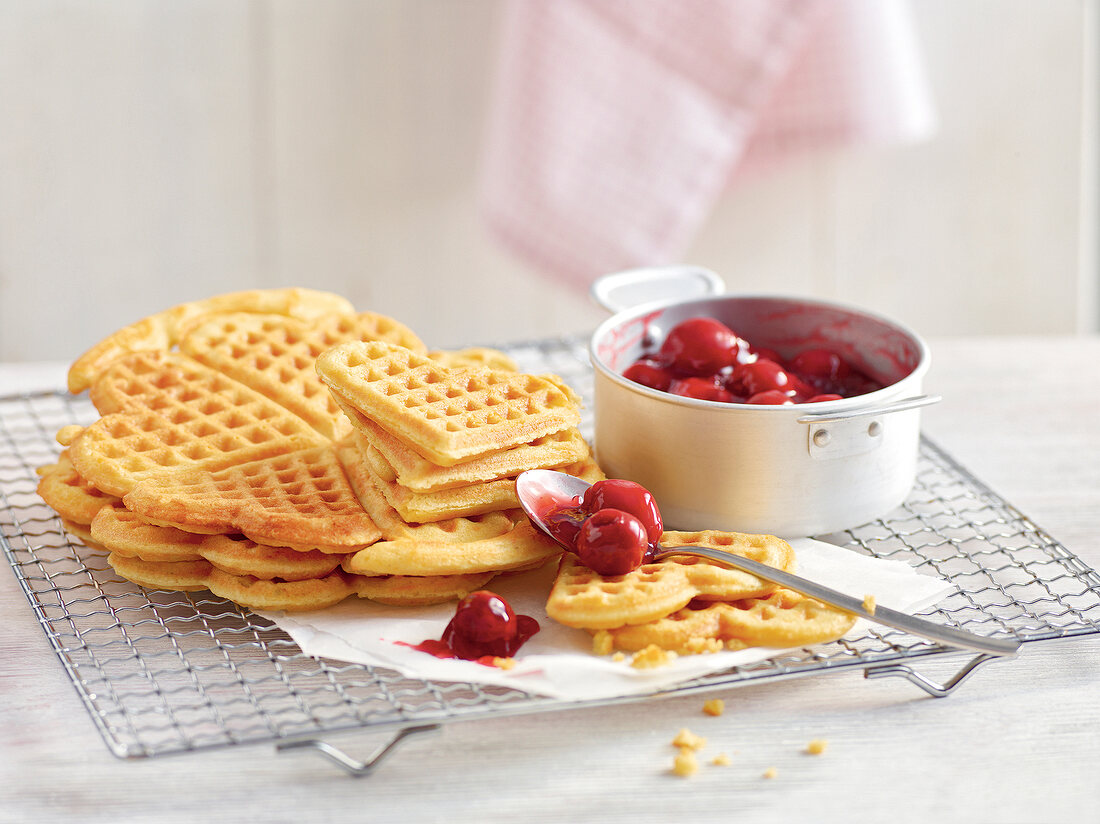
542 491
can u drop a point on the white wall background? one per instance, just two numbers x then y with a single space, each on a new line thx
152 153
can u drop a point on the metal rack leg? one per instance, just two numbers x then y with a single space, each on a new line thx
931 687
353 767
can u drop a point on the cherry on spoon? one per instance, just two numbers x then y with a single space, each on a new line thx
541 492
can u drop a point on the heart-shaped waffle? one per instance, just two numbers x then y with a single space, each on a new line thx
477 357
417 591
118 530
392 459
181 576
163 331
167 413
214 463
501 540
70 494
275 356
522 547
294 596
586 599
456 502
301 500
192 576
445 415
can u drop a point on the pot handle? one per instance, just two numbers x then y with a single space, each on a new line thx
897 406
633 287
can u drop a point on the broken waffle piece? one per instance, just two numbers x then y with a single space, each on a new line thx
782 619
583 598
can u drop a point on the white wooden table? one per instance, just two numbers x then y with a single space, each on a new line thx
1019 741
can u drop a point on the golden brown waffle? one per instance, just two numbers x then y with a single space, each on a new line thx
446 415
782 619
191 576
294 596
499 540
69 494
169 413
478 356
83 533
583 598
393 459
464 501
415 591
394 527
522 547
427 507
288 596
300 500
275 356
162 331
214 462
120 531
183 576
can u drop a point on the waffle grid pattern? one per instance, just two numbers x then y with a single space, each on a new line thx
167 672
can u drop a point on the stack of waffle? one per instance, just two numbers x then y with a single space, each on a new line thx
435 453
686 605
222 462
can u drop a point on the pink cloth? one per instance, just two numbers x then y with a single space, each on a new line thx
616 124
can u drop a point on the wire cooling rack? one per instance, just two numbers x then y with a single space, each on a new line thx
166 672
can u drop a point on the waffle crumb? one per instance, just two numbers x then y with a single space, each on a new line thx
699 646
869 604
817 746
651 657
504 663
602 643
714 706
770 772
686 739
685 764
721 760
618 656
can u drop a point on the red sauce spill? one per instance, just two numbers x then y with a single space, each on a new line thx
483 629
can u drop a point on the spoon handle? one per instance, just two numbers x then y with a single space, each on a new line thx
948 636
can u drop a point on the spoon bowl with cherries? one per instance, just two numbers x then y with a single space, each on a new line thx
614 526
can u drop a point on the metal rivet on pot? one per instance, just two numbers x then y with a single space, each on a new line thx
822 437
874 429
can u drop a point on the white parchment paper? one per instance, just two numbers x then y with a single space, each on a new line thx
558 660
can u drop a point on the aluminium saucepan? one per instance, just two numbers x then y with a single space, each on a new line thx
789 470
